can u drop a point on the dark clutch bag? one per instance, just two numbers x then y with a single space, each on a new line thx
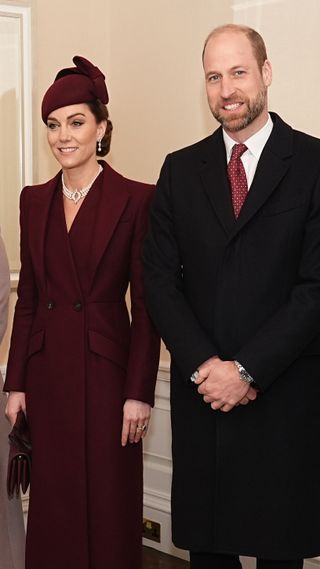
19 464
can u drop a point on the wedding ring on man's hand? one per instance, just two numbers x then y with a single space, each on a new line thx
141 428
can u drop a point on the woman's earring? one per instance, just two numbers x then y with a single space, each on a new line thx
99 145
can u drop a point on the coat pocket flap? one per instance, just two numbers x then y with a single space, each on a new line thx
36 342
107 348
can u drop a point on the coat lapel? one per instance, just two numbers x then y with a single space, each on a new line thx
214 179
272 167
114 198
40 202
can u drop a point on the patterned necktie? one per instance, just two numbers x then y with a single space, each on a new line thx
237 178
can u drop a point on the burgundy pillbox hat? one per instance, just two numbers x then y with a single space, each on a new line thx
75 85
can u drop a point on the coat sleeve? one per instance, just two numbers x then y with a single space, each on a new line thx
144 340
4 289
24 310
295 327
179 327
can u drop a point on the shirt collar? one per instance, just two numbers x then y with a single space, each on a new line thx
255 143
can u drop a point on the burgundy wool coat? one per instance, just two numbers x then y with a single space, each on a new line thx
78 357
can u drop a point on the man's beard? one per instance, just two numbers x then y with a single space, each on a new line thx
254 109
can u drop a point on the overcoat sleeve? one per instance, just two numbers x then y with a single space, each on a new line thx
144 340
24 310
178 325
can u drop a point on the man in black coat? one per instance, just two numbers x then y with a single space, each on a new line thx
232 264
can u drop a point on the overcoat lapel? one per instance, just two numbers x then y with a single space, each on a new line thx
272 167
38 218
214 179
114 198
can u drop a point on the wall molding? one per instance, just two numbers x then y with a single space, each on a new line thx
158 461
16 115
23 13
156 500
162 392
164 371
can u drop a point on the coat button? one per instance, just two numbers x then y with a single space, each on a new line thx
77 306
50 305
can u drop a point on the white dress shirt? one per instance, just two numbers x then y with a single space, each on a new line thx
255 145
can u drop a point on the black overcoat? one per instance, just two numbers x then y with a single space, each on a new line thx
247 481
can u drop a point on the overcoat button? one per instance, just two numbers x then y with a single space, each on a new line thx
77 306
50 305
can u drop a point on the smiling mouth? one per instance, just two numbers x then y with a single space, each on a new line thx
232 106
68 149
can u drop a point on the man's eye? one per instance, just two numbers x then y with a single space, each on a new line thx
239 72
213 78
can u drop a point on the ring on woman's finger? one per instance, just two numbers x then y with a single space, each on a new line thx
141 427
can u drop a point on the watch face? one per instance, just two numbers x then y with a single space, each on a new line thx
194 376
245 376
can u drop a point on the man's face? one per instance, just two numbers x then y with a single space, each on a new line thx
236 86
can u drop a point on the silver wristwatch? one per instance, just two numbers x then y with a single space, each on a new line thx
244 375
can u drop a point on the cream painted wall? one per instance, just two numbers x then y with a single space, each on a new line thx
158 101
290 29
151 55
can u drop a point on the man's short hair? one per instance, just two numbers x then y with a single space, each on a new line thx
257 43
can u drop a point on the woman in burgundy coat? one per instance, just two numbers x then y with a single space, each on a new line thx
83 370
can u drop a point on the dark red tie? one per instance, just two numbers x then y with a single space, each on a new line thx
237 178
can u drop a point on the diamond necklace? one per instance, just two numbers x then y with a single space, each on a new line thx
78 194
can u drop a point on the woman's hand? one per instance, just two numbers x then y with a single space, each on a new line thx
136 416
16 402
